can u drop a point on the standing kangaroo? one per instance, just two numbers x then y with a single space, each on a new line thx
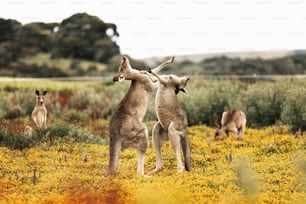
126 128
232 121
172 121
39 114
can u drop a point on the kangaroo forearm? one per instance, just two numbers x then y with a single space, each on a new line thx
161 66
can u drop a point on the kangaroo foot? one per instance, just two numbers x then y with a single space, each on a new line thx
157 169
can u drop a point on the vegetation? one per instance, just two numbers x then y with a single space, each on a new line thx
84 45
267 166
77 38
67 161
265 103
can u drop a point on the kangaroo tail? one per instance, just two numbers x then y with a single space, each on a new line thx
186 152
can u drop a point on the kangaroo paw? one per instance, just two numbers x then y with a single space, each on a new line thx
155 171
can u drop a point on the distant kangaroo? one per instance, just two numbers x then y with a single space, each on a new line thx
232 121
39 114
126 128
172 121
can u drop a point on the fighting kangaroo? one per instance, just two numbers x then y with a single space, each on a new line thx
172 121
232 121
126 128
39 114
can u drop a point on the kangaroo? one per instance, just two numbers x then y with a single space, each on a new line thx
126 128
232 121
39 114
172 121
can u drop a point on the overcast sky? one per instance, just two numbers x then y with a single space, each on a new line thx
177 27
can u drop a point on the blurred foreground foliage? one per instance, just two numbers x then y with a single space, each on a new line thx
267 166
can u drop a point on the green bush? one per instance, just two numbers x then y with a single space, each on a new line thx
15 141
294 108
83 134
207 100
27 100
73 116
262 103
14 112
95 104
59 129
18 103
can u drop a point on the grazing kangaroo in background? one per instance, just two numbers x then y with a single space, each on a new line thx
232 121
172 121
39 114
126 128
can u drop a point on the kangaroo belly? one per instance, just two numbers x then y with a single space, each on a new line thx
166 115
40 118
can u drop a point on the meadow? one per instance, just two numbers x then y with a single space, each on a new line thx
67 162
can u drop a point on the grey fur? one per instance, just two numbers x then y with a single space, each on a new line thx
172 121
232 121
126 128
39 114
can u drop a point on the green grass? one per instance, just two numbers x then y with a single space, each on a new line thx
44 84
63 63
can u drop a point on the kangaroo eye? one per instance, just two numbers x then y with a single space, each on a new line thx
121 78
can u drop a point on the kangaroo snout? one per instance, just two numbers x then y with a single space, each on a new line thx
119 78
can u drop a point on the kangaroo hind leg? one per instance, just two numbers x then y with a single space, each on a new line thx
114 151
141 149
175 140
159 135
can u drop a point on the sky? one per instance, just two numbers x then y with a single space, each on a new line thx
160 28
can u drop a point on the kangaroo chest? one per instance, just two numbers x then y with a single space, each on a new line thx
40 116
167 109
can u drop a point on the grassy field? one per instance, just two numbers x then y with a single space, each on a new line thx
267 166
63 63
67 163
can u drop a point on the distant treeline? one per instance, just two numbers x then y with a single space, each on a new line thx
85 37
291 64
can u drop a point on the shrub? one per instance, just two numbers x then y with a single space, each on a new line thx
81 134
95 104
262 103
294 109
14 112
26 99
59 129
73 116
206 101
14 141
16 104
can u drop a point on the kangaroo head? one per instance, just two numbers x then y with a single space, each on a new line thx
40 97
124 69
220 134
179 83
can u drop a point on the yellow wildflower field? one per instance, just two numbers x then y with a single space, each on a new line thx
267 166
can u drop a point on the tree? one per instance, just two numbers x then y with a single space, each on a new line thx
84 36
35 37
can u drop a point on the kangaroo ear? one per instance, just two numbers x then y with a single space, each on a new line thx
125 64
45 92
37 92
217 126
184 90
